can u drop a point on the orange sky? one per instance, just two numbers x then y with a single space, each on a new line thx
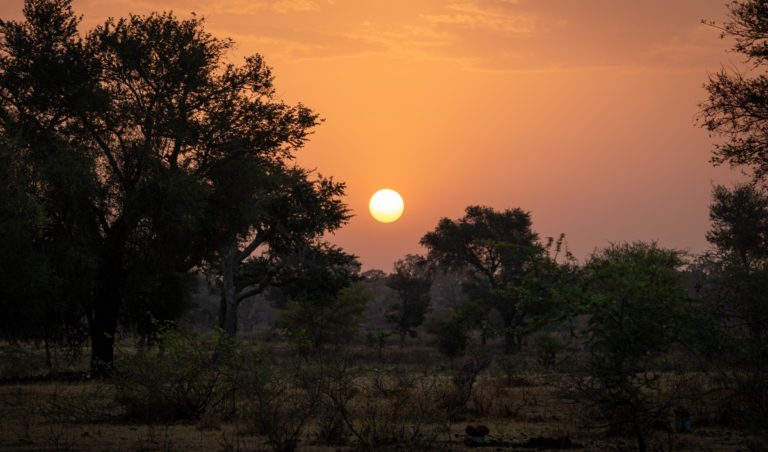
581 112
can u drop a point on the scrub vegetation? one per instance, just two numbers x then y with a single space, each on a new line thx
165 282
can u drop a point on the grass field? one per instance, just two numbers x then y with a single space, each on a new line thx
412 400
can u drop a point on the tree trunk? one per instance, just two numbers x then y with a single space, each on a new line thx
228 307
509 343
102 347
103 327
641 445
513 343
402 339
106 304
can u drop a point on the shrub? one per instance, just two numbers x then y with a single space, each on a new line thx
179 379
635 302
280 401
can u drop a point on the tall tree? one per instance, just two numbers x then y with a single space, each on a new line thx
503 255
412 280
156 134
737 270
737 106
735 290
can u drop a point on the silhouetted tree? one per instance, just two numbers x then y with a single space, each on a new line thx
735 288
412 280
149 150
290 212
505 260
33 300
737 107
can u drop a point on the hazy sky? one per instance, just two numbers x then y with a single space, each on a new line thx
581 112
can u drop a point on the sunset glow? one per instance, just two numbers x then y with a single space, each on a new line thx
583 113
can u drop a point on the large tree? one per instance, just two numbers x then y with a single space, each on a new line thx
737 107
505 260
140 137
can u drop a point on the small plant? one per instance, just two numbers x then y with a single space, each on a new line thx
455 398
548 347
378 339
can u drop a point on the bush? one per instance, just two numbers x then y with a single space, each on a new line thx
452 337
179 379
636 306
280 400
548 347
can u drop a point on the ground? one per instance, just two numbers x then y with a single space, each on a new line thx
72 412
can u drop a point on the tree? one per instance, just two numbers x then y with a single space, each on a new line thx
740 224
140 138
737 106
325 305
504 258
737 110
412 280
291 214
33 304
735 287
635 301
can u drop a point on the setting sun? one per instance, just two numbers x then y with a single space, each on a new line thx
386 205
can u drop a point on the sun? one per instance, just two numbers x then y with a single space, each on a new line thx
386 205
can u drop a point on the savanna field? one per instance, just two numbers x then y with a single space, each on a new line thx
410 399
174 276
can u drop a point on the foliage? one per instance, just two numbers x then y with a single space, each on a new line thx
736 110
281 239
148 156
280 401
548 347
412 280
511 271
740 224
736 280
314 322
24 269
636 308
452 330
178 379
737 106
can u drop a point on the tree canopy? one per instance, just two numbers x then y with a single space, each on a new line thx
148 155
737 106
503 255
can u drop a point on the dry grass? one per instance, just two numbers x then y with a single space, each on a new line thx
408 401
82 416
